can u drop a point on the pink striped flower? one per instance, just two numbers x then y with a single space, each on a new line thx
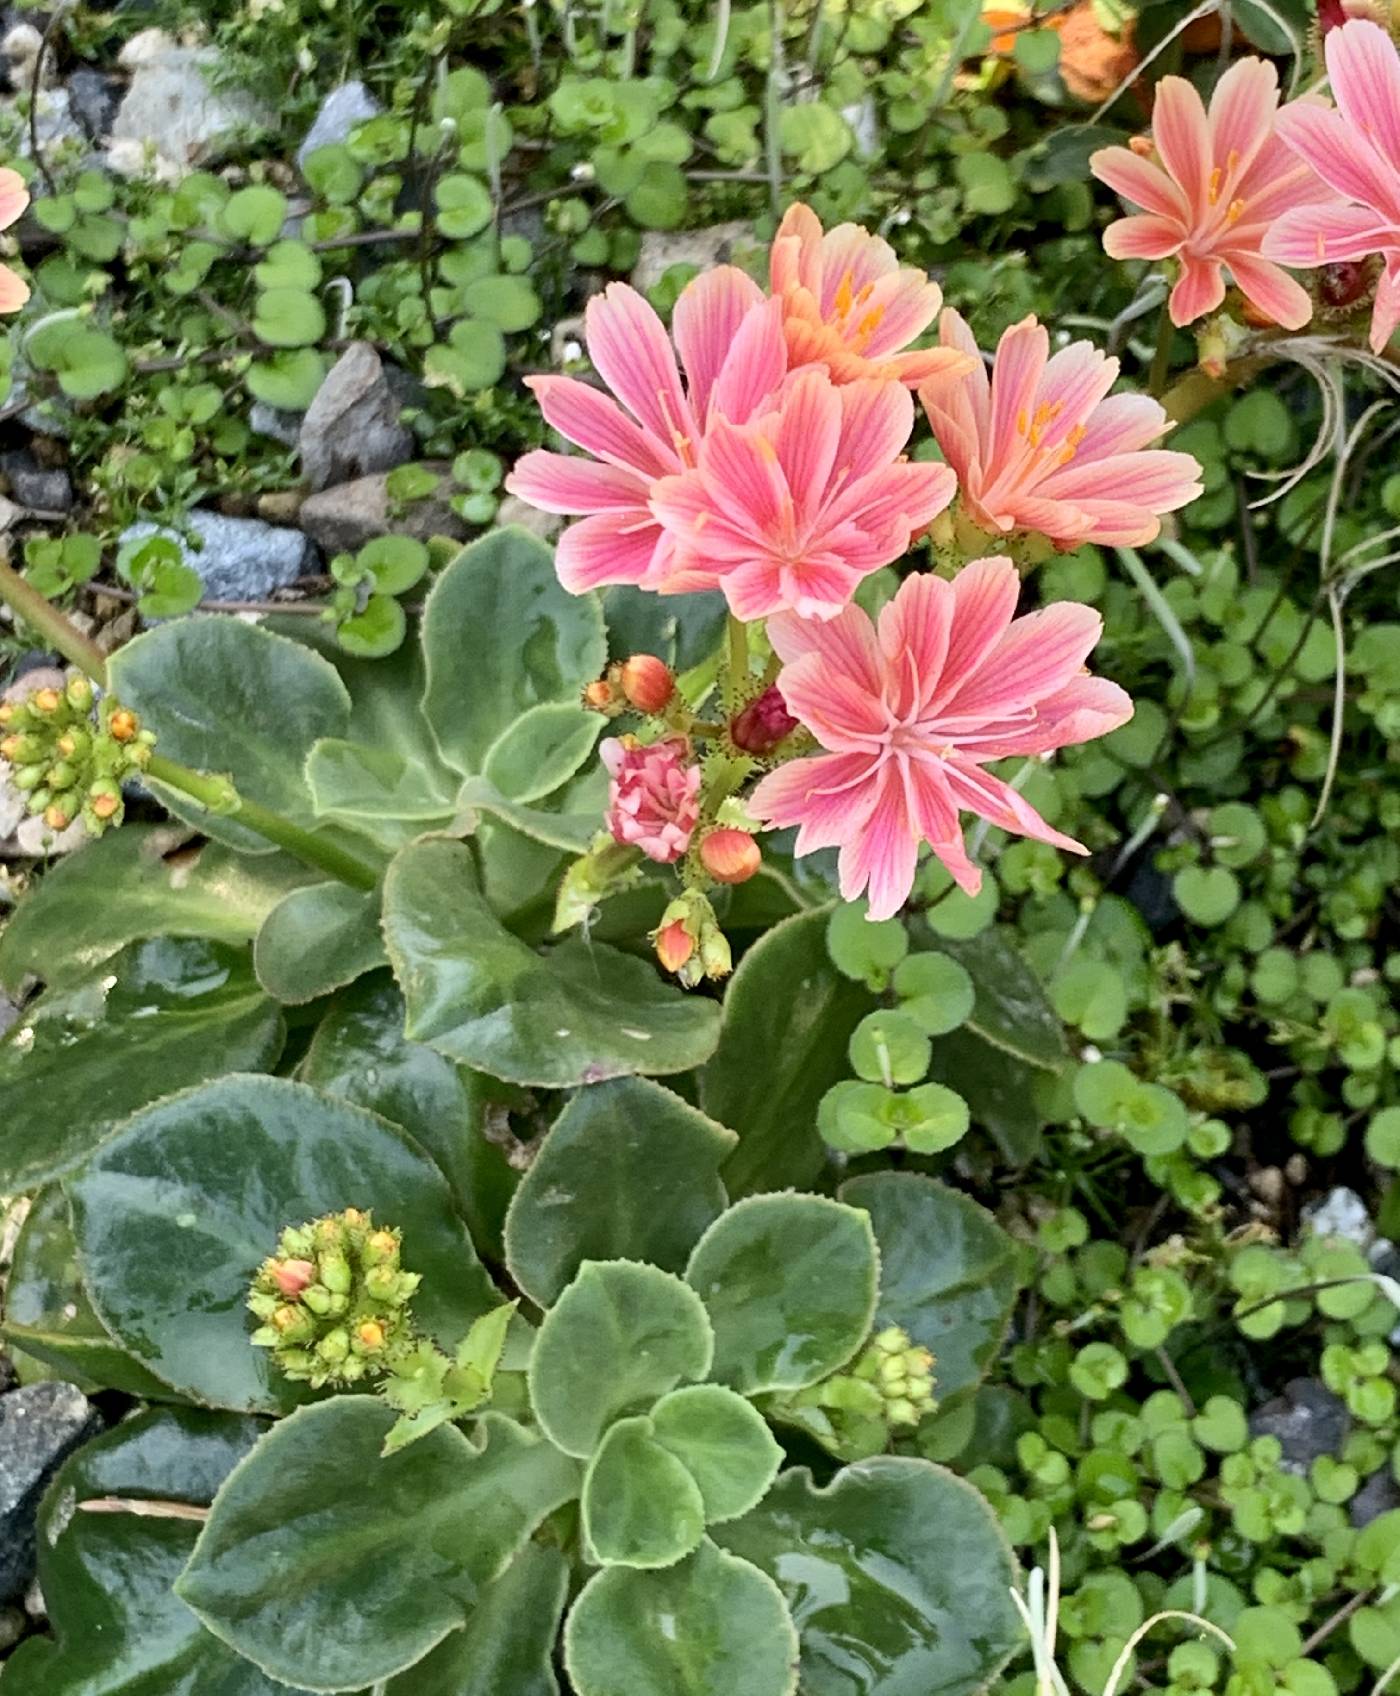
653 799
851 306
1041 445
1356 150
791 511
912 709
1212 187
14 197
731 346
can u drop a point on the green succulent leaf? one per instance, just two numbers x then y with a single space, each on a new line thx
325 1563
641 1507
897 1575
621 1335
628 1171
316 940
789 1283
162 1015
724 1443
176 1212
542 750
707 1624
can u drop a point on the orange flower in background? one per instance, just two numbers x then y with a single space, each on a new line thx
14 197
1093 61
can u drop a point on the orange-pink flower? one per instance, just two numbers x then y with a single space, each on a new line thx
1356 149
850 305
14 197
792 510
1212 188
1042 446
731 347
911 711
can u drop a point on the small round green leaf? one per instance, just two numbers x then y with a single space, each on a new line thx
789 1282
254 215
288 317
641 1507
621 1335
935 991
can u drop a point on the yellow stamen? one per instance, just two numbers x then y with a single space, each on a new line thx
1213 191
844 295
1022 425
1236 208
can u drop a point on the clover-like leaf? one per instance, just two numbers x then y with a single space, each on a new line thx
325 1563
711 1623
789 1283
621 1335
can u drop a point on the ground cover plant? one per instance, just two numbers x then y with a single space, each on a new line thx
697 948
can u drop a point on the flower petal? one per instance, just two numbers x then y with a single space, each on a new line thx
1385 315
14 291
14 197
709 311
1341 156
809 434
557 482
1141 181
1147 235
1364 71
984 603
1182 135
876 420
1020 363
979 792
829 796
884 852
1326 233
597 424
1085 709
1241 118
611 547
914 629
1036 657
633 355
1199 289
1277 295
795 259
755 366
846 646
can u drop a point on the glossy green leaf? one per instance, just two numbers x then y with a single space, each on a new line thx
897 1575
788 1016
999 1090
947 1271
327 1565
710 1624
119 1628
506 1648
160 1016
579 1014
48 1315
178 1209
641 1507
619 1337
360 1054
545 643
541 750
628 1171
318 939
789 1283
723 1442
143 880
1010 1010
225 696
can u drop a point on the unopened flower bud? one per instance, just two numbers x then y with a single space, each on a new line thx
335 1273
291 1276
369 1337
763 724
646 682
45 702
28 778
381 1248
39 801
105 799
123 725
902 1412
62 775
730 856
600 697
318 1298
334 1346
293 1324
58 815
80 694
674 945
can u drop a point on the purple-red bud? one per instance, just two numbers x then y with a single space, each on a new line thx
763 724
646 682
730 856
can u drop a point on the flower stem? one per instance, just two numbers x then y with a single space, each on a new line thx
216 794
1162 354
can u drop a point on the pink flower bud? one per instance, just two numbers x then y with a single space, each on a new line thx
763 724
730 856
674 945
654 801
646 682
292 1276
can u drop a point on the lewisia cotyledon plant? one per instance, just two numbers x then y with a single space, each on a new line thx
913 707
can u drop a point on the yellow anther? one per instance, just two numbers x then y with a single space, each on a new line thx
1236 208
844 295
1213 191
1022 424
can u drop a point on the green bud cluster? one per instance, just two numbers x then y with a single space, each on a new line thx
853 1413
901 1372
69 760
333 1301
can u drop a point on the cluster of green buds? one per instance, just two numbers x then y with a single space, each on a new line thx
888 1386
69 759
689 942
333 1301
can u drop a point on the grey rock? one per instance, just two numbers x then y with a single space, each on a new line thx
352 425
34 486
1379 1494
284 427
174 111
8 1012
241 559
1340 1213
661 249
343 108
93 98
347 515
1307 1419
34 1604
864 120
545 525
59 132
39 1426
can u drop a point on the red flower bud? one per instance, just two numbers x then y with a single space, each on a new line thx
674 945
292 1276
646 682
763 724
599 696
730 856
1344 283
